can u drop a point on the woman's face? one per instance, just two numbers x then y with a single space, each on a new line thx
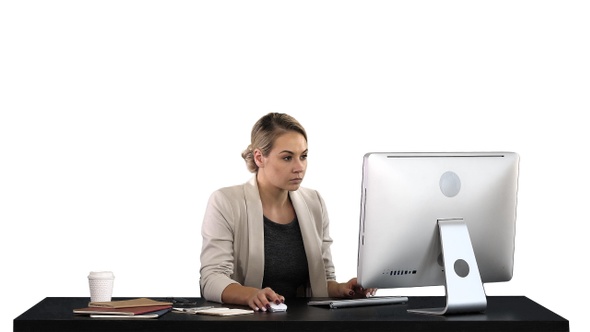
285 165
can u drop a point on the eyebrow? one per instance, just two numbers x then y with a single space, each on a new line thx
291 152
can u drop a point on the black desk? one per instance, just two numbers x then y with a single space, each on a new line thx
504 313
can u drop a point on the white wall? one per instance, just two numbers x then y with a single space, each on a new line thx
118 119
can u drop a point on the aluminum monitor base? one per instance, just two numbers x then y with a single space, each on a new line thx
463 285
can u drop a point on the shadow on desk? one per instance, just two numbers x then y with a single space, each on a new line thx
504 313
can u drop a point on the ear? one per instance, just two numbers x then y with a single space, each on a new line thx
258 158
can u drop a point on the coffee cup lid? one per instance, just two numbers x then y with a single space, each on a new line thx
101 275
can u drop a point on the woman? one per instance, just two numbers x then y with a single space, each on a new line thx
268 239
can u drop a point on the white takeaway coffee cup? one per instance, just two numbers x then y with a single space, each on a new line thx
101 285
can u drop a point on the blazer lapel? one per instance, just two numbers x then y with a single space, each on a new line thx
313 246
255 267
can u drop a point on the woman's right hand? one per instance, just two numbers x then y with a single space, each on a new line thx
257 299
261 299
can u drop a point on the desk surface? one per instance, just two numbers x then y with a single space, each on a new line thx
504 313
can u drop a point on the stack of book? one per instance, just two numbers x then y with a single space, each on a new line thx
134 308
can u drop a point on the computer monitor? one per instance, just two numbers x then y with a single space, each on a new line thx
438 219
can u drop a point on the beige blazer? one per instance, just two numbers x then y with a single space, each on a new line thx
233 240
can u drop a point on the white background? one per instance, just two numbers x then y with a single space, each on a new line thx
119 118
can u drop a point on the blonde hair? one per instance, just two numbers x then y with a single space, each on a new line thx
264 133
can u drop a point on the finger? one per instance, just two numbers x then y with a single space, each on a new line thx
262 300
279 299
271 296
258 305
254 304
348 292
267 295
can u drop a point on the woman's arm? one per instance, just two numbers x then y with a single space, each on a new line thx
218 281
257 299
217 252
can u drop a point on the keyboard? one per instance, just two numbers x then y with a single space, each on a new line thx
360 302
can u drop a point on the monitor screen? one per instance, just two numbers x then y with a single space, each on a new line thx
407 197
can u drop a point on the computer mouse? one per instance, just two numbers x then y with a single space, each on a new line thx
273 307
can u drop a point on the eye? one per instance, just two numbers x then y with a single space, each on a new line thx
287 158
304 157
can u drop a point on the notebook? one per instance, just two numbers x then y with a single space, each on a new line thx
139 302
127 311
225 312
153 314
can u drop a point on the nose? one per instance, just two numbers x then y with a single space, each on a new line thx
299 166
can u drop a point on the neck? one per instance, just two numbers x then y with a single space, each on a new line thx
272 195
276 204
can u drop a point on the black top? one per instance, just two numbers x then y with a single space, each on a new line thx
285 262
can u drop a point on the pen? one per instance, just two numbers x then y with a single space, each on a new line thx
193 310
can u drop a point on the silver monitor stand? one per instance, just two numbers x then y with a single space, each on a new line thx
463 284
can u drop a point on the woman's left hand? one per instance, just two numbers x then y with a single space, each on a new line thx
351 289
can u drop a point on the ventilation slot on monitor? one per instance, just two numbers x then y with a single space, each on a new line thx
400 272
